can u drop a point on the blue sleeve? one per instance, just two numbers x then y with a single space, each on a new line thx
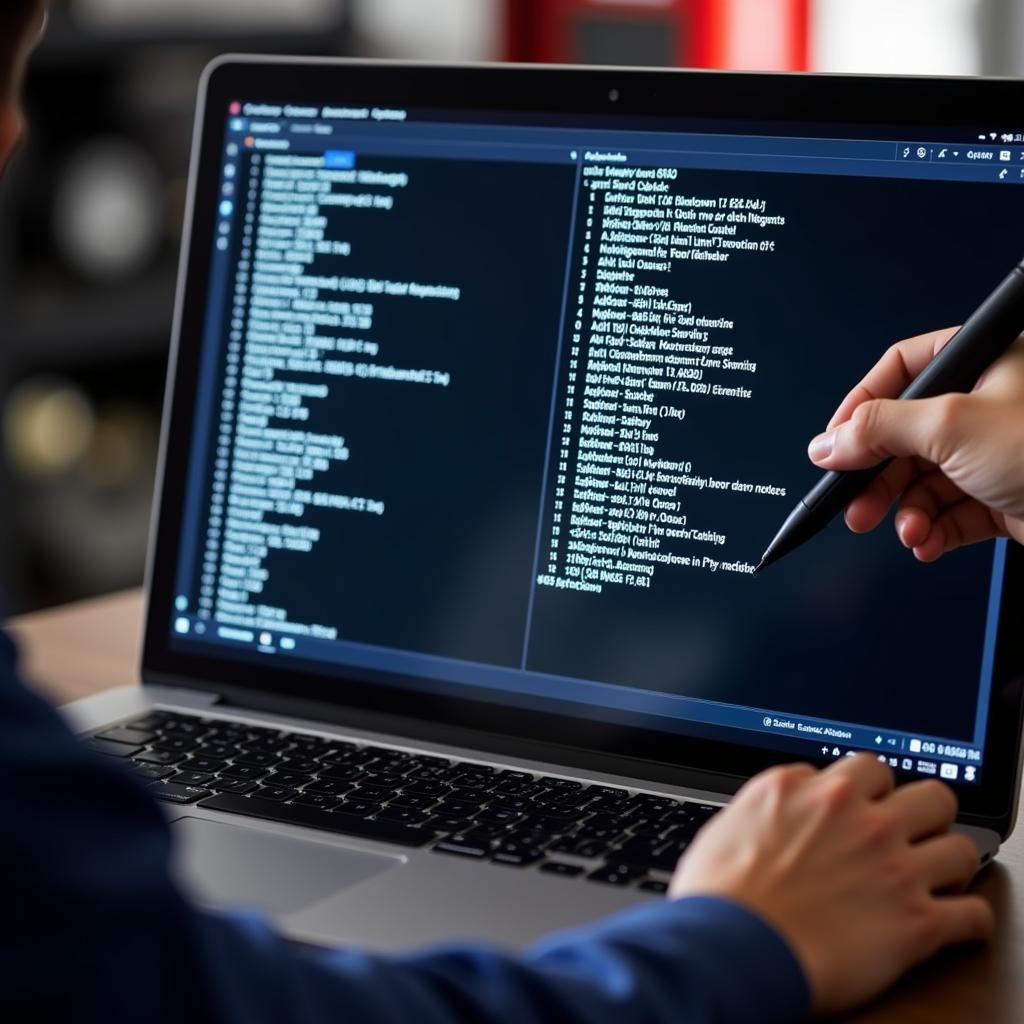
94 930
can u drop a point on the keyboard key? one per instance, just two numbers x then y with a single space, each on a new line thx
405 815
608 805
447 823
558 867
357 808
290 779
216 751
379 794
316 800
133 737
429 761
560 812
589 848
387 780
112 749
275 793
198 763
459 807
308 748
498 817
607 791
431 773
244 771
659 854
339 751
472 783
703 812
512 803
556 826
160 757
150 723
615 874
412 800
462 846
421 787
239 786
312 817
487 832
653 885
516 853
304 765
329 787
176 743
187 778
184 725
150 773
256 758
511 776
344 772
175 794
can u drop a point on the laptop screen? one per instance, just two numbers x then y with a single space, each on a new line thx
509 407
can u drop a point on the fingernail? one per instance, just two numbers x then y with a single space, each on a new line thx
901 528
821 447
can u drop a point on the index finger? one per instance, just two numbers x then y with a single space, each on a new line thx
892 373
871 778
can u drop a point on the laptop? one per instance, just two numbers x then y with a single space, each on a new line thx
489 386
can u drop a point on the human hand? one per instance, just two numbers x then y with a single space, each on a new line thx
958 474
862 880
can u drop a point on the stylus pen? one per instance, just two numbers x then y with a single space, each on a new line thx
989 331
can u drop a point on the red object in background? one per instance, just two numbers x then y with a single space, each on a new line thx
769 35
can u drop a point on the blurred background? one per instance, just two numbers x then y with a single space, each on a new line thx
92 210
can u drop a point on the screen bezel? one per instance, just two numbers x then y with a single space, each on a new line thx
815 100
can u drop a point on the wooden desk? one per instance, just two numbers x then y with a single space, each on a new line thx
76 651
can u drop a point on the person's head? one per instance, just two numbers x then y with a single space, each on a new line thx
21 22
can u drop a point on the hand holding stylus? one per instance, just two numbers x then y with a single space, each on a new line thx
958 474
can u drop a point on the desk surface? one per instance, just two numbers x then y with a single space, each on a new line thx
80 650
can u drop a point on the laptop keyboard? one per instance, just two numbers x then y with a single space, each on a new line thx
565 828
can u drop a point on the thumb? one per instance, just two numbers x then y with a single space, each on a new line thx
884 428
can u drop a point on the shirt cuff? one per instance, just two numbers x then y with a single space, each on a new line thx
725 955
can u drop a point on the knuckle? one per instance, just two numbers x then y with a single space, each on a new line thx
900 873
772 782
950 411
966 854
879 827
941 797
924 925
864 423
836 793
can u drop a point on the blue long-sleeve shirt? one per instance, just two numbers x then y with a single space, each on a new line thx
93 929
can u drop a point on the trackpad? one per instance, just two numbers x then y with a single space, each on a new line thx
234 866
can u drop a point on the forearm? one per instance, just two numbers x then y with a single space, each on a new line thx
96 929
693 962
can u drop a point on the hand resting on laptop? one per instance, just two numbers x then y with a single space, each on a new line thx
862 879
